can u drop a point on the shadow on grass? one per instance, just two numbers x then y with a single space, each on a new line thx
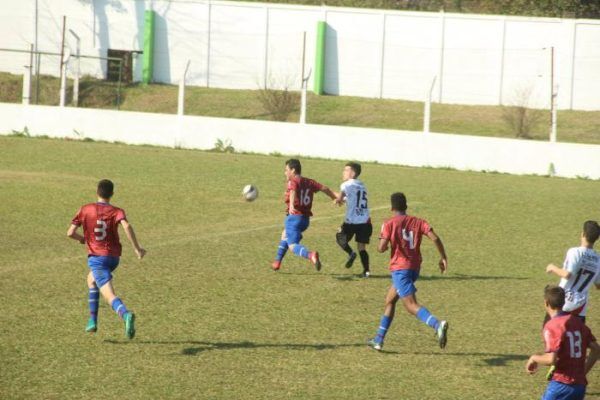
202 346
490 359
452 277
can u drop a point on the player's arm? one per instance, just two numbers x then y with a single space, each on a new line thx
543 359
139 251
443 264
328 192
339 198
292 199
73 234
383 245
592 356
560 272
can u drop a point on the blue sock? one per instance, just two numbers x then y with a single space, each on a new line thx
281 250
119 307
384 325
93 297
425 316
301 251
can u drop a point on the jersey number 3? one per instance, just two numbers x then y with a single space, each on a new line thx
100 230
574 343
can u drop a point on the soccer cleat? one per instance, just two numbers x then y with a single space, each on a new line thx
314 258
276 265
366 274
351 259
129 319
550 372
375 345
91 327
442 334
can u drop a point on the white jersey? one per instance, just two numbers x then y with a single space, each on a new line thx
584 266
357 207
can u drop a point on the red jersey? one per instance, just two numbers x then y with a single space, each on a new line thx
568 337
404 233
305 189
100 223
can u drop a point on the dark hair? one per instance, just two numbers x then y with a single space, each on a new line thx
355 167
105 189
398 201
591 231
294 164
555 296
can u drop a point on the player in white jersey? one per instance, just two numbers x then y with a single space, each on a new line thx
580 269
357 221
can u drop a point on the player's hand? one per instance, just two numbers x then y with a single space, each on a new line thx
443 264
82 240
549 268
531 367
140 253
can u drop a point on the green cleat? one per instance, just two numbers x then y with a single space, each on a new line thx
91 326
129 319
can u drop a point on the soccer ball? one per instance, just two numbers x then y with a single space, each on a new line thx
250 192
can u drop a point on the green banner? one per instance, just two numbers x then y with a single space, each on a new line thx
148 57
320 58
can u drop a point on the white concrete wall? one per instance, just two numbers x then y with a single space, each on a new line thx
372 53
386 146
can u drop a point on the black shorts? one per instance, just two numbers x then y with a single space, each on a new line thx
363 232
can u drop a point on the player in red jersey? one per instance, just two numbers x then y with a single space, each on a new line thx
100 222
402 233
298 199
567 340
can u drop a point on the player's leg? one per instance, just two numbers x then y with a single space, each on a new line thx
103 278
391 298
281 250
407 293
296 225
93 297
342 238
363 236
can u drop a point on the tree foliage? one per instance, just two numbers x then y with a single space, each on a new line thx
538 8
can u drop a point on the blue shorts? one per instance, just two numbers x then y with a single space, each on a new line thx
102 268
561 391
404 281
294 226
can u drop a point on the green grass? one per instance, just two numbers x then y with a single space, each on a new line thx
573 126
215 322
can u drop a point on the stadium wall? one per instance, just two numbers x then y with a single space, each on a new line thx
475 59
346 143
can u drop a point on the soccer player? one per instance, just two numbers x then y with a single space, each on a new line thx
567 340
580 269
403 233
298 199
100 222
357 221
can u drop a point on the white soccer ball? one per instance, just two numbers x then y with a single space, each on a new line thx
250 192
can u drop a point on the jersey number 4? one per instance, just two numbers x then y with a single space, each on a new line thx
100 230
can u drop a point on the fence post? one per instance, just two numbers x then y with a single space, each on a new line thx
63 78
209 6
26 85
77 71
553 114
427 111
442 45
382 65
181 97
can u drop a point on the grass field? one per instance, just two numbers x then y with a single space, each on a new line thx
573 126
215 322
